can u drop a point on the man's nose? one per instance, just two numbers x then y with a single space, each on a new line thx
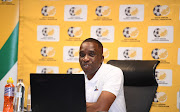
86 58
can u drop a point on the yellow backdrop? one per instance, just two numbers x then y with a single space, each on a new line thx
52 30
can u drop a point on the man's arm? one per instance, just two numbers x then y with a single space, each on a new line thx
103 103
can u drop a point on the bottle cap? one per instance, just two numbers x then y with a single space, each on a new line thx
10 80
20 80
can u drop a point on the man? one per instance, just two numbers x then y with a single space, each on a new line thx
104 82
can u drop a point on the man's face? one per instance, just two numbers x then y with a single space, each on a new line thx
90 57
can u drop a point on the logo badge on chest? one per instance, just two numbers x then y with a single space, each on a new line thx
96 89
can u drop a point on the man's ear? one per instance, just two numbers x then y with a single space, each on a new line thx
102 58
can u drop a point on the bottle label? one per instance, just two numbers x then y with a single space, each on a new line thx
29 96
9 91
18 94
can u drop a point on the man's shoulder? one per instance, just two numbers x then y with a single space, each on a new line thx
110 67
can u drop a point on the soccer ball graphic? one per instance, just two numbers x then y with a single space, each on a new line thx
75 11
44 70
72 11
156 10
155 98
47 70
70 32
160 75
99 32
161 97
70 71
126 53
44 31
48 11
74 32
159 53
156 75
73 70
44 11
126 32
156 32
71 52
128 11
161 10
44 51
154 53
99 11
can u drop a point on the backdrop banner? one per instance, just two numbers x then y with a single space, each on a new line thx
51 32
9 30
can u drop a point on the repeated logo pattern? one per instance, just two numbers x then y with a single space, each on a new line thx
47 52
131 11
75 31
130 53
75 11
130 32
161 10
73 71
160 97
48 11
159 53
127 32
103 11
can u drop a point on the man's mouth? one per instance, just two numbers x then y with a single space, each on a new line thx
86 66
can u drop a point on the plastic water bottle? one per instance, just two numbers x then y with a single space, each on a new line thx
8 96
29 100
19 96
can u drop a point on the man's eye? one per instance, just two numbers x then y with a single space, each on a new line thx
92 54
81 54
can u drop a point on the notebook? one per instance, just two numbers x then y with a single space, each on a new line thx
57 92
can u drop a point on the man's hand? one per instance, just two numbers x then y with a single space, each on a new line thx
103 103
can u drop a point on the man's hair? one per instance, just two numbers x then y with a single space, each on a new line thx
95 41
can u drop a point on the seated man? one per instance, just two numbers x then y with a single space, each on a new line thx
104 82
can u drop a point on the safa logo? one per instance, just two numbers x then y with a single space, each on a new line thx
160 97
75 11
47 31
73 52
129 53
75 32
102 32
47 52
103 11
131 11
161 10
47 70
159 53
160 75
73 71
130 32
160 32
48 11
163 77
